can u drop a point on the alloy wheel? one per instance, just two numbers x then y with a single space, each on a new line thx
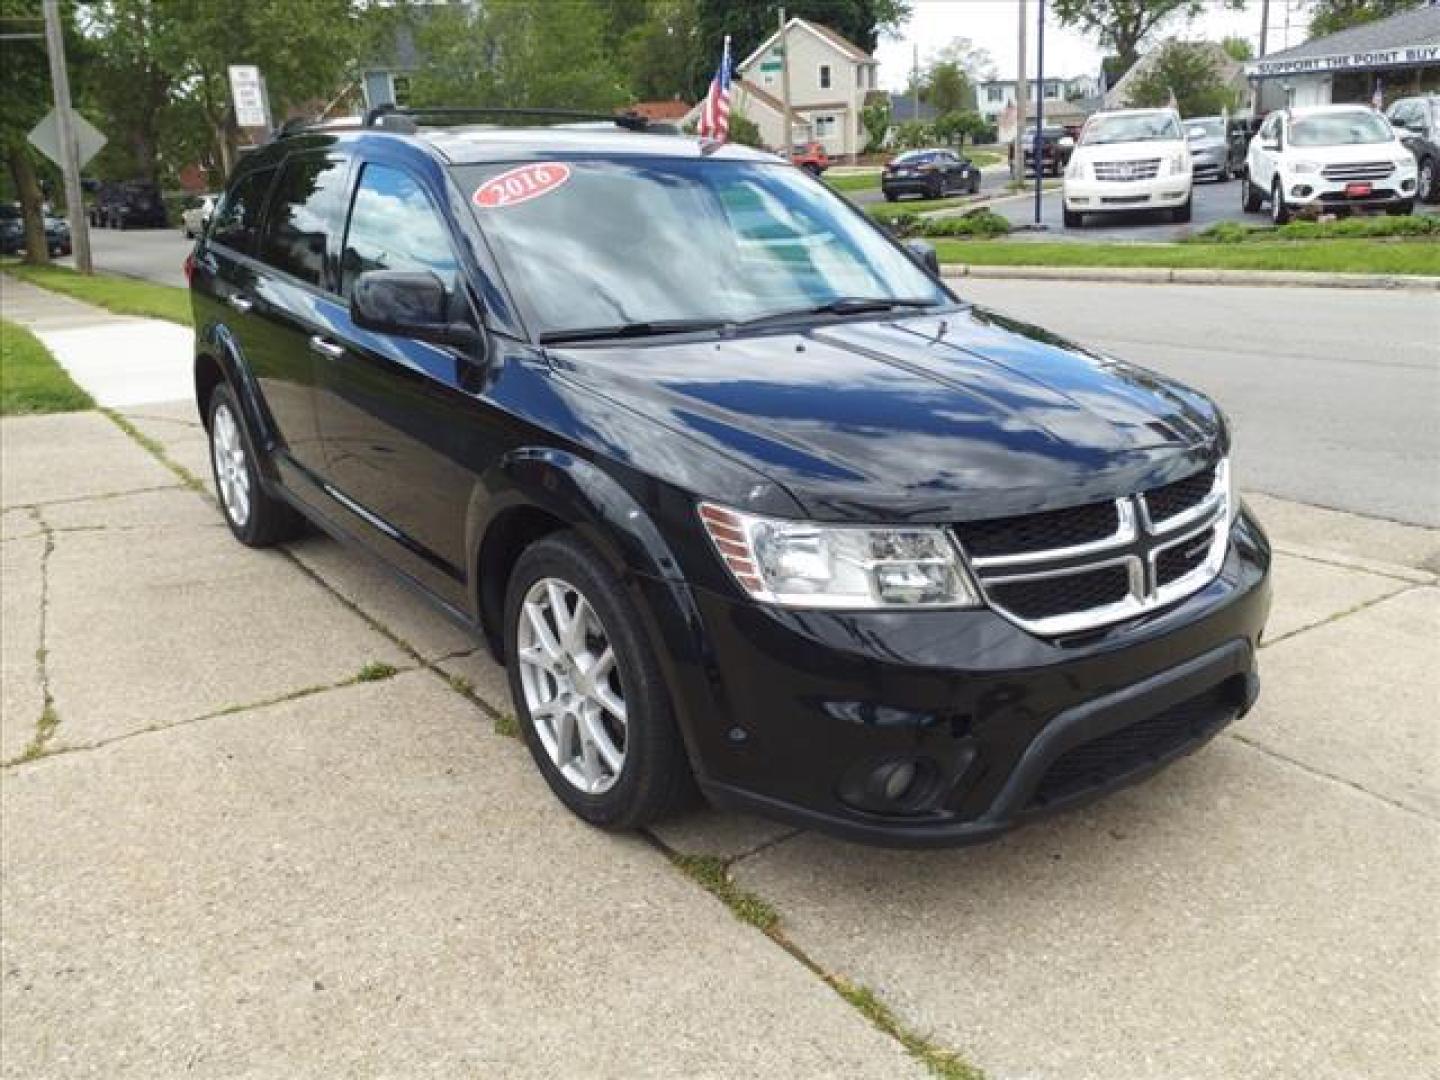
572 685
231 472
1425 187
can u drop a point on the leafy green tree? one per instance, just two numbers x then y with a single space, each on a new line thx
947 88
750 22
1238 48
1328 16
1122 26
976 62
25 91
658 52
913 134
122 33
1190 72
876 119
952 128
744 131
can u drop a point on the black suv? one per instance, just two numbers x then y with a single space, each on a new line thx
134 204
739 492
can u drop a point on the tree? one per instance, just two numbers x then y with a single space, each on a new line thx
947 89
1238 48
122 33
912 134
1331 15
953 127
750 22
1122 26
1188 71
976 62
659 51
25 90
876 118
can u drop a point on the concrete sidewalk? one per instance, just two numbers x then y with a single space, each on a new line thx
258 818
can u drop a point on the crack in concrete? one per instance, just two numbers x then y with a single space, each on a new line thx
49 718
1408 574
156 449
1364 605
105 496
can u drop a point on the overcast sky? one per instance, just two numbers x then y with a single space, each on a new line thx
992 24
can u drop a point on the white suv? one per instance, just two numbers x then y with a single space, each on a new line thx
1328 158
1130 159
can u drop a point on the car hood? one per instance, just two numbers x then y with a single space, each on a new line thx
1130 151
943 417
1348 153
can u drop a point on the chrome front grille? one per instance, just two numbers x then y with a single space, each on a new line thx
1359 170
1067 571
1127 170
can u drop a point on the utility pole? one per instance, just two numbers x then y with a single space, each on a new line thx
1264 24
785 89
1022 103
915 83
1040 104
60 80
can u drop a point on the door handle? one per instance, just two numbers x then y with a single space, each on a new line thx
239 303
326 348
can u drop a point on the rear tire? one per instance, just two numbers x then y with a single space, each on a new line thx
1401 209
256 518
975 185
1074 219
573 751
1249 195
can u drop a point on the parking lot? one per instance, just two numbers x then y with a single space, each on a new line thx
275 829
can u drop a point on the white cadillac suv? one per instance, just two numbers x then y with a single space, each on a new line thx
1130 159
1328 158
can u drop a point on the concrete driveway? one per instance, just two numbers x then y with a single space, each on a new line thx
260 818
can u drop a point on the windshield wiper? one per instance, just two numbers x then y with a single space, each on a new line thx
844 305
649 328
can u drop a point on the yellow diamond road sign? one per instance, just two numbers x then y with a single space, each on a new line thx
45 137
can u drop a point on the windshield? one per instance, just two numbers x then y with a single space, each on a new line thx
1339 129
1132 127
605 243
1204 129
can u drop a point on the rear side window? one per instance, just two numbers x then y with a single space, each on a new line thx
308 208
237 221
394 226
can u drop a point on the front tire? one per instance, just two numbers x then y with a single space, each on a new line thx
1074 219
1183 213
1279 211
592 704
1401 209
256 518
1428 182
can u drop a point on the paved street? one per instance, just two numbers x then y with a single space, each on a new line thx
1334 394
228 853
152 254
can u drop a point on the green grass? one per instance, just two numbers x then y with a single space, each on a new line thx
713 875
854 182
1323 256
125 296
30 379
886 211
1352 228
376 671
942 1063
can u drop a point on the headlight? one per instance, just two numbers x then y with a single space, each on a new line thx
1179 163
1305 167
800 564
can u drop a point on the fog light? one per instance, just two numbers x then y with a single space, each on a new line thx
895 779
1407 185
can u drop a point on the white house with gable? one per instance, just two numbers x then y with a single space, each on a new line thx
830 79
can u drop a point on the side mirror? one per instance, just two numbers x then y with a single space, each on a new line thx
410 304
923 252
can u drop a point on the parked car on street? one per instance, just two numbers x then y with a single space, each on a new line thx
793 523
931 174
133 204
1330 159
12 229
57 236
1417 121
811 157
1127 160
1056 147
196 215
1216 151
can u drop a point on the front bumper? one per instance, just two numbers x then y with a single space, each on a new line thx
1306 191
908 185
1100 196
792 713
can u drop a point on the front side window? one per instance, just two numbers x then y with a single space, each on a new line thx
394 226
307 210
237 221
1339 129
614 242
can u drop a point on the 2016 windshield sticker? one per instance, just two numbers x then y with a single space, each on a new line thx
515 186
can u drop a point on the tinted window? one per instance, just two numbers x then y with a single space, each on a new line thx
237 221
394 226
308 208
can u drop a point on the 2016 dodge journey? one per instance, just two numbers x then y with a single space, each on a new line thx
740 493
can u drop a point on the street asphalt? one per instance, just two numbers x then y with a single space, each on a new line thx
232 846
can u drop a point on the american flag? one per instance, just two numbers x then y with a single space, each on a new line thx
715 116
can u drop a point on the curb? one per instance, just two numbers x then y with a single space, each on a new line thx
1159 275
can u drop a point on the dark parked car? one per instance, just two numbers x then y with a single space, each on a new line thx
931 174
134 204
732 483
1417 121
1056 145
1217 149
12 232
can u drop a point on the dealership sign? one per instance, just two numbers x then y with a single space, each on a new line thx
1356 61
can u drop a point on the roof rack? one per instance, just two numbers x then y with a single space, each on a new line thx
393 118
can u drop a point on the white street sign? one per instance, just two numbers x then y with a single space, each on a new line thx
45 137
248 93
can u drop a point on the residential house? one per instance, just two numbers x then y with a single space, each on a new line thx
830 79
993 96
